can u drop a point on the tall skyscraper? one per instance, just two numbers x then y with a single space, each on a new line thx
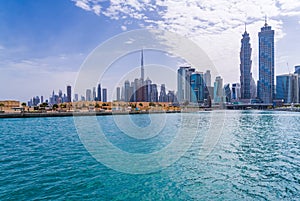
183 83
154 93
69 94
88 95
163 94
94 96
207 78
142 66
245 66
218 90
118 94
197 87
127 94
104 93
265 84
99 92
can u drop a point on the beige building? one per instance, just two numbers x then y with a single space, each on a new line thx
8 105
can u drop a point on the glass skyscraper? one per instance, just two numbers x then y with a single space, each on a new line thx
287 88
197 87
245 66
265 84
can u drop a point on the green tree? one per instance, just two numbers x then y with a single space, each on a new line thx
23 104
141 104
1 106
97 105
54 107
152 104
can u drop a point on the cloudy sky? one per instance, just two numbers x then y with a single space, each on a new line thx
44 43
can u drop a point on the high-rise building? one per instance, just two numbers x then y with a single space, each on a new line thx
265 84
147 90
183 83
99 92
218 90
207 78
142 66
197 87
76 98
287 88
154 93
297 69
227 92
94 96
88 95
163 94
236 91
245 66
118 94
42 99
104 93
69 94
127 94
253 89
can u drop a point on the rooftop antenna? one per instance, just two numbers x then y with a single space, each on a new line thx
245 27
287 64
266 24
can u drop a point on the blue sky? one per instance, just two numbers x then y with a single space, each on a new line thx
43 43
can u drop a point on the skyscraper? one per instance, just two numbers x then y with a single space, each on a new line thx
197 87
163 94
265 84
218 90
104 93
127 94
287 88
94 94
99 92
236 91
88 95
142 66
207 78
245 66
118 94
183 83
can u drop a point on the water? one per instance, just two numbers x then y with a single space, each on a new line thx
256 157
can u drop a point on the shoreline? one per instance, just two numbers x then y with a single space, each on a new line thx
69 114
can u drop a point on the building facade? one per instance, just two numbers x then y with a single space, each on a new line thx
265 85
287 88
245 66
197 87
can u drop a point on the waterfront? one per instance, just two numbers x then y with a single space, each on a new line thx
257 157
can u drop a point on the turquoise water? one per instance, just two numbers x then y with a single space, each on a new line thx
256 157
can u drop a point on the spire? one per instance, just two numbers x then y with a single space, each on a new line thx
266 24
142 65
245 27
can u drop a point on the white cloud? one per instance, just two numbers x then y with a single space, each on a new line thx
216 25
124 28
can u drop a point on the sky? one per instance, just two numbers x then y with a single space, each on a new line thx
44 43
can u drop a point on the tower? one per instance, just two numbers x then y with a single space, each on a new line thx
245 66
142 66
69 94
265 84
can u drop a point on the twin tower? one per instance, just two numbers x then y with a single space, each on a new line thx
265 84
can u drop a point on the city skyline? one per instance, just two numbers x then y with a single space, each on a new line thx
37 49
